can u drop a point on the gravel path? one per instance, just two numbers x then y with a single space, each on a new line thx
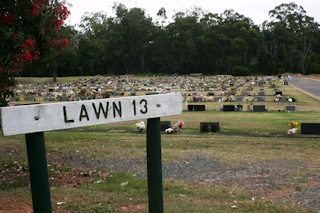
264 178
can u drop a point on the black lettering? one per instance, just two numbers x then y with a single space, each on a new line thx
83 113
65 116
134 107
145 106
105 112
115 108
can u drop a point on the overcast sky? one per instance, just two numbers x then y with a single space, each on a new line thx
257 10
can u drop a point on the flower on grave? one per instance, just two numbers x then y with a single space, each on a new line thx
278 97
178 126
169 131
293 124
140 126
293 128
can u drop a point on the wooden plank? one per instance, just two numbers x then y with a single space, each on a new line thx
45 117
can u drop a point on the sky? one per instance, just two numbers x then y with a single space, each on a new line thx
257 10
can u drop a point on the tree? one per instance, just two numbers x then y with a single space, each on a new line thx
28 32
293 35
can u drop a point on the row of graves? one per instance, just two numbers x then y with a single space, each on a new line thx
228 89
94 88
220 88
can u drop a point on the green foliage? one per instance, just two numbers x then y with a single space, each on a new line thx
27 34
130 42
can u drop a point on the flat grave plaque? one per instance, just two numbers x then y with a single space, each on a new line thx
310 128
228 108
290 108
259 108
209 127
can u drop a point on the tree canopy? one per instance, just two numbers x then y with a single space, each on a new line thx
130 42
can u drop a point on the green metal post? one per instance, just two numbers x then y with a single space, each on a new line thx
38 172
154 166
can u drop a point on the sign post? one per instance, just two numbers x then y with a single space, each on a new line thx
154 165
33 120
38 172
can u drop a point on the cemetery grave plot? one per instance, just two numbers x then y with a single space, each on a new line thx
212 91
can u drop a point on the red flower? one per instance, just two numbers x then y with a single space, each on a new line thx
28 57
65 41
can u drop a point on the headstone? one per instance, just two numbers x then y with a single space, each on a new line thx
209 127
261 94
283 99
210 93
285 82
199 107
278 93
290 108
30 98
190 107
239 98
165 125
228 108
310 128
244 93
259 108
261 98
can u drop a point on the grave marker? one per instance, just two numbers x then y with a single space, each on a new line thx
310 128
209 127
259 108
290 108
228 108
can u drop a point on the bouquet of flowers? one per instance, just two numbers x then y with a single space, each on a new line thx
293 128
140 126
176 128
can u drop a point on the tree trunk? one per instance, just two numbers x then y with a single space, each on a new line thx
54 75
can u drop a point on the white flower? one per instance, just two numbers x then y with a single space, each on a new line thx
141 125
292 131
169 130
290 100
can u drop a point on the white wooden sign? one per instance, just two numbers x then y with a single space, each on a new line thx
45 117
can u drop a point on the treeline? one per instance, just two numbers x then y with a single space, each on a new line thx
194 42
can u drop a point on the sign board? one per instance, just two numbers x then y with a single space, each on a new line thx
45 117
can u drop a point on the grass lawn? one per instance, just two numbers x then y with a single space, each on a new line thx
102 191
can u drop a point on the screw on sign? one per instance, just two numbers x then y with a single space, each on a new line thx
33 120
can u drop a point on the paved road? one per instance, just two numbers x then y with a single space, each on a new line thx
310 86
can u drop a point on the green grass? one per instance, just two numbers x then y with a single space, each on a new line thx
228 121
122 191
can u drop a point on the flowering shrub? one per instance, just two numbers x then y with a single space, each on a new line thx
293 127
28 33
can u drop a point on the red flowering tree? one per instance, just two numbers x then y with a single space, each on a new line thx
28 32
